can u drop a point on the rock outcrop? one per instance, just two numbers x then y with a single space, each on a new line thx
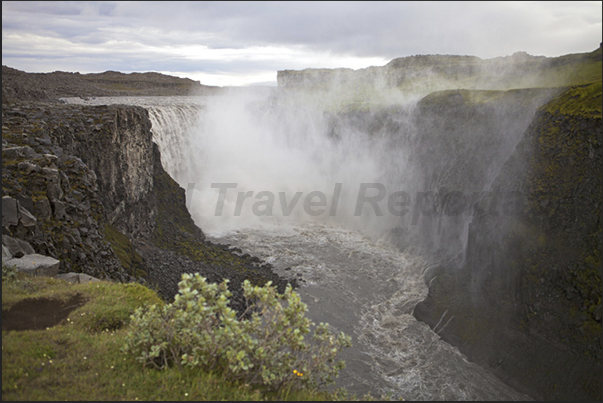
518 284
20 256
35 265
57 188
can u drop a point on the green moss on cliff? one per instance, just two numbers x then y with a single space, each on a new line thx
580 101
123 248
564 187
573 69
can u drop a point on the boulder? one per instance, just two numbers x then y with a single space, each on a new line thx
25 202
29 167
25 217
18 152
53 183
42 208
36 265
59 210
77 278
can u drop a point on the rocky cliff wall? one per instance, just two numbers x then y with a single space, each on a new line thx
527 302
517 287
448 148
58 189
116 143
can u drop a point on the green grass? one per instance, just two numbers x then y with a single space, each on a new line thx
80 358
584 101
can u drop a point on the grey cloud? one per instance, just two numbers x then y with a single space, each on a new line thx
390 29
362 29
387 29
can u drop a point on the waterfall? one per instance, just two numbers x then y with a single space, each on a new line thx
172 125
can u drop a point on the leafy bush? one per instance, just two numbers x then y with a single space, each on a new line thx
9 273
263 345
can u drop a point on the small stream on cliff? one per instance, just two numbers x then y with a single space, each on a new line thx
352 277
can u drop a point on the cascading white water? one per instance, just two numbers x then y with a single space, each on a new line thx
290 169
173 121
354 279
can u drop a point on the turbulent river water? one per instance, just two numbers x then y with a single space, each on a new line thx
352 278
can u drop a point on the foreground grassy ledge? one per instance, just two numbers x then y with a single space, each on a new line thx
66 340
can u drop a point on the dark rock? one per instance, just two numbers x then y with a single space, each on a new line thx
101 167
59 210
42 208
25 217
10 214
18 152
17 247
53 184
26 202
28 167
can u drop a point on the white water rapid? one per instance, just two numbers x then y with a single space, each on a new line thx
353 278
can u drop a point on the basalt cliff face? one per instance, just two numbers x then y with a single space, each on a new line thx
57 190
88 189
526 302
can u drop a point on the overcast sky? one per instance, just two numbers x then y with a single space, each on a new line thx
244 43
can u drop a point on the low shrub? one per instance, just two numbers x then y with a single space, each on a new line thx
264 345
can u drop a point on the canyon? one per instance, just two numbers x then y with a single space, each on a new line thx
500 159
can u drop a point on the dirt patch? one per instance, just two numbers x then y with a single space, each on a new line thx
39 313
